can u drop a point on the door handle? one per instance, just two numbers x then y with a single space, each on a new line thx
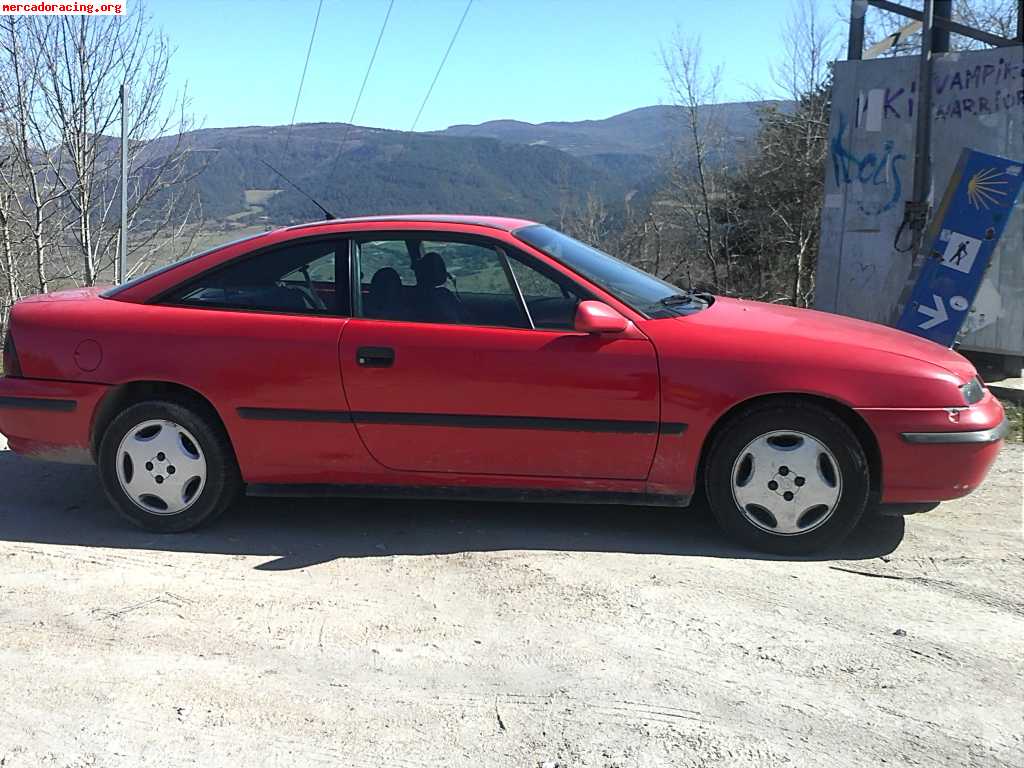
375 357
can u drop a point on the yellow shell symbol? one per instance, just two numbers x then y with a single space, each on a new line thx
983 190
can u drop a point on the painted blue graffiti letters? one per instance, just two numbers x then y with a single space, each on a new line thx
869 169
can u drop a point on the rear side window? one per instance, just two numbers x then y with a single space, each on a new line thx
303 278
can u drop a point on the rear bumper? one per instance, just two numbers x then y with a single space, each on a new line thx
49 420
936 454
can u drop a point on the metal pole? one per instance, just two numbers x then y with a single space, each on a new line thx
917 208
1020 20
123 276
940 35
858 9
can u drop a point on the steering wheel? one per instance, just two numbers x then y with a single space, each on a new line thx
310 291
309 296
463 311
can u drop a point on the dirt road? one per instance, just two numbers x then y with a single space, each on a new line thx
411 634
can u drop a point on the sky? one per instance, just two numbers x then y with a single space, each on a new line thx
532 60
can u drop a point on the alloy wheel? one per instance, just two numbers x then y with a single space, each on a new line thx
161 467
786 482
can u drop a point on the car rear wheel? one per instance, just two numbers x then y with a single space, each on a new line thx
167 467
787 478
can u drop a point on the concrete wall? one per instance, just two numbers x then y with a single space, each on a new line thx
978 102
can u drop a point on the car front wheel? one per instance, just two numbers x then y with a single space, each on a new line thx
167 467
787 478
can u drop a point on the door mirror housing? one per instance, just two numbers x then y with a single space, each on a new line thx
597 317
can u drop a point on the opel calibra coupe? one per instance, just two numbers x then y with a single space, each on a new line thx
484 358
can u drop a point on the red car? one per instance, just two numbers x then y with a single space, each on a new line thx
476 357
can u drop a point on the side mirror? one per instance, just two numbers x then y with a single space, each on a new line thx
596 317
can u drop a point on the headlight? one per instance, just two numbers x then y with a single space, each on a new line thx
973 391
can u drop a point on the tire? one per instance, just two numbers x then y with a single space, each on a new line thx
787 477
167 466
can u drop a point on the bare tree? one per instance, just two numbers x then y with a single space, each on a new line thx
794 144
642 241
60 151
809 44
728 221
694 183
28 182
589 222
775 201
996 16
8 263
83 63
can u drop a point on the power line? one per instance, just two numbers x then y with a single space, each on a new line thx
359 97
441 66
302 80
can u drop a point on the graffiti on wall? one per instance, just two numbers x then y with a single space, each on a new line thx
877 172
981 89
977 102
964 91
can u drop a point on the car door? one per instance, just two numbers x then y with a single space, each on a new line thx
259 336
483 389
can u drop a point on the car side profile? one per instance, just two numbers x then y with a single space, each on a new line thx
484 358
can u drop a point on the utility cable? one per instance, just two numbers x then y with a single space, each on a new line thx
441 66
302 80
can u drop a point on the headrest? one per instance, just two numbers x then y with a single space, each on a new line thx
385 279
431 271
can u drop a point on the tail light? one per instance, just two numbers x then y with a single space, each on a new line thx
11 365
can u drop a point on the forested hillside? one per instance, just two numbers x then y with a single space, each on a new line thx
381 171
503 167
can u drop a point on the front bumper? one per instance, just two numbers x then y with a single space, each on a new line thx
936 454
49 420
976 436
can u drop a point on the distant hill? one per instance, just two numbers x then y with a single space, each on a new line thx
500 167
360 170
643 131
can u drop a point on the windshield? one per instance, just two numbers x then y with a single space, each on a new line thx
640 291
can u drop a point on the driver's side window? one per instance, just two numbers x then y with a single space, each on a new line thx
298 278
550 298
437 280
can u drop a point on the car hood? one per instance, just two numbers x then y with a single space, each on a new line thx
838 331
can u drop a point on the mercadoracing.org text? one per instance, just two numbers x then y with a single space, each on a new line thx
72 9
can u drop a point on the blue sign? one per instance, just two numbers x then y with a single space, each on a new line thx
961 239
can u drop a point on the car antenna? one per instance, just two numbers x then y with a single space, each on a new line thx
301 191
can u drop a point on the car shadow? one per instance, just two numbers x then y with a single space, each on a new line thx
61 504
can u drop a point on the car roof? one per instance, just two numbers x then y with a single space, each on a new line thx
145 286
494 222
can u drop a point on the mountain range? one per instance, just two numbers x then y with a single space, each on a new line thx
498 167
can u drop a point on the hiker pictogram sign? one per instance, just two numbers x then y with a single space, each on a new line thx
967 226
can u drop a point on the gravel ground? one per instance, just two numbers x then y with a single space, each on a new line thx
409 634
